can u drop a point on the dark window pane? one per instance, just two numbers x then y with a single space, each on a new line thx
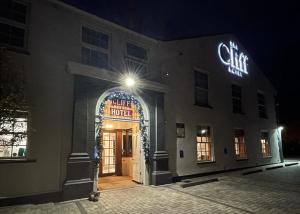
136 51
12 35
19 12
5 9
13 10
236 99
201 80
94 38
201 97
261 105
94 58
4 33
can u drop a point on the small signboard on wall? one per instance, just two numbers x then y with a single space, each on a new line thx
180 131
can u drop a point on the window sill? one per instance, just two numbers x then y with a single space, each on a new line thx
205 162
242 159
265 157
204 106
16 49
264 118
239 113
15 160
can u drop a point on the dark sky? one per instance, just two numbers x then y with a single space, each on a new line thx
269 31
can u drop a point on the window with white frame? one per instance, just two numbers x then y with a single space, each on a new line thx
204 144
95 48
13 138
13 23
239 144
201 88
265 144
136 58
261 105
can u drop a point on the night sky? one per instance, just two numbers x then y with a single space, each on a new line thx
269 31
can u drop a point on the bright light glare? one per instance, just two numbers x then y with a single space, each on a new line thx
203 131
280 128
129 82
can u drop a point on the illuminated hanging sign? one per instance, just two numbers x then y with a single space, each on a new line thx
235 60
120 102
123 111
120 112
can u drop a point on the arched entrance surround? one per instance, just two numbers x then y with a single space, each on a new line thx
121 93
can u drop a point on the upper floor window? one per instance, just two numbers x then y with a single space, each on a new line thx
95 48
261 105
13 19
239 144
204 144
236 99
265 145
201 88
136 51
136 59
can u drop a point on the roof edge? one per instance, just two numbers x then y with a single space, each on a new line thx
90 15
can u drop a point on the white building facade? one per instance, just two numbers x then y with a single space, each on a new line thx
201 105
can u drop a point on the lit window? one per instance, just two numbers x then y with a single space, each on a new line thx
239 144
265 145
13 28
236 99
95 48
201 88
204 144
13 139
261 105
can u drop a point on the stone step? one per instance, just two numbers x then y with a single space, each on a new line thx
252 171
189 183
291 164
274 167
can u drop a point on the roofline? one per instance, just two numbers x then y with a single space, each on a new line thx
90 15
197 36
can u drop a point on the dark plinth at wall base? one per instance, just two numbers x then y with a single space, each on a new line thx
78 182
31 199
75 189
161 174
160 178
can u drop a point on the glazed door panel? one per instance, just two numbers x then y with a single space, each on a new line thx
108 163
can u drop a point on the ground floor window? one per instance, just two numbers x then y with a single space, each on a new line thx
265 145
204 144
13 138
240 145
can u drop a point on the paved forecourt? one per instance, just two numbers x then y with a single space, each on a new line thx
273 191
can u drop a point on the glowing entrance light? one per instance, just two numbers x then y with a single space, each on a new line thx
129 82
235 61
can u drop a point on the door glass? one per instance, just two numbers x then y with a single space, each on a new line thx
109 152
